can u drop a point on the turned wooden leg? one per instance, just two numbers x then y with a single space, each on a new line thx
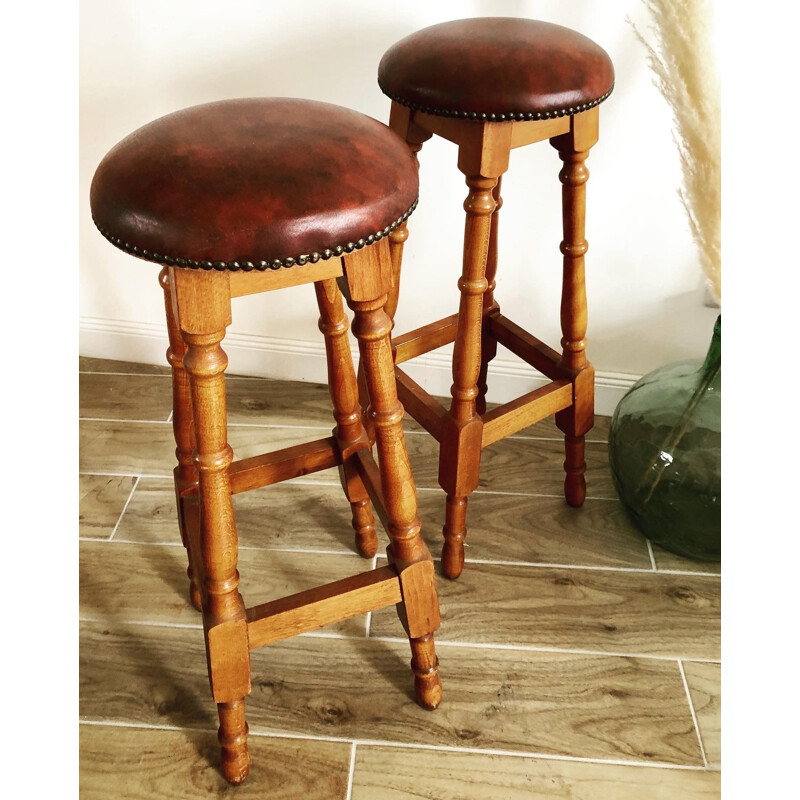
185 474
203 306
414 136
419 611
490 305
232 737
400 122
578 419
460 451
349 431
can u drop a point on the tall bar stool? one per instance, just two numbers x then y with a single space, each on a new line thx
247 196
490 85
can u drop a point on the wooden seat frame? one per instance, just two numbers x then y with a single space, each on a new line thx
198 308
466 428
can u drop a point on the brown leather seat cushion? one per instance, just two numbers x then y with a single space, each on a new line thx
497 68
253 184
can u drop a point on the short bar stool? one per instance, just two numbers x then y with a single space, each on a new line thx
247 196
490 85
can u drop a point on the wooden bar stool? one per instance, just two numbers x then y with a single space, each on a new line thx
247 196
490 85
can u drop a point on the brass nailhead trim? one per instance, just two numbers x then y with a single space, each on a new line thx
258 266
492 117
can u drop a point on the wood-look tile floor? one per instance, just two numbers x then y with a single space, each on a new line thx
577 660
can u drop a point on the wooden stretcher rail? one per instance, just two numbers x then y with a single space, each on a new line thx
371 476
530 349
524 411
314 608
424 339
424 408
281 465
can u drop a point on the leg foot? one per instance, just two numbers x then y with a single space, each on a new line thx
233 741
455 531
425 665
364 526
195 597
575 467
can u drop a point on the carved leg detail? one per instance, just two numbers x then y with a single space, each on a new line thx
364 526
575 467
576 421
454 532
490 305
232 736
419 611
350 432
397 238
185 474
425 666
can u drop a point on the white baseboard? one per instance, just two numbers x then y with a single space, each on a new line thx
299 360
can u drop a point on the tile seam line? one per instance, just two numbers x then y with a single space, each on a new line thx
479 561
651 554
351 771
299 550
317 428
300 482
400 640
691 709
124 507
410 746
169 375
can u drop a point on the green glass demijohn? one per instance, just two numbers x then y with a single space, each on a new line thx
665 450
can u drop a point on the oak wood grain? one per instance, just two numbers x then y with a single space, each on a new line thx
542 530
147 397
671 561
704 682
107 365
101 501
147 582
611 612
586 706
149 448
294 516
508 528
253 400
262 400
530 466
384 773
141 763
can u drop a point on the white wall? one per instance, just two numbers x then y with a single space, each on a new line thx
143 59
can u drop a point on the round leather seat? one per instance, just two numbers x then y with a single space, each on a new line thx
259 183
497 68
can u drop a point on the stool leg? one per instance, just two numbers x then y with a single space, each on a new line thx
349 431
397 238
490 305
185 474
400 122
578 419
203 304
460 452
419 611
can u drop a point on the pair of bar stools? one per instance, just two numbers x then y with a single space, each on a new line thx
246 196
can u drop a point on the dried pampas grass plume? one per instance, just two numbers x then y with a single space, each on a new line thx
682 59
